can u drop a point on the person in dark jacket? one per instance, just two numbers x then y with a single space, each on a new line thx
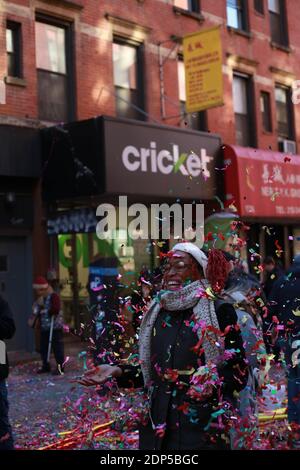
192 360
7 330
284 308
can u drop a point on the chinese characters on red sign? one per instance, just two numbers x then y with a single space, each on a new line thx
263 183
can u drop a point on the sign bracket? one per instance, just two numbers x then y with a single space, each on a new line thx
162 60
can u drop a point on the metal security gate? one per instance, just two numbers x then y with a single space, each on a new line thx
15 287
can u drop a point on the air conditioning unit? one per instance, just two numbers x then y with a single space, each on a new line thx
288 146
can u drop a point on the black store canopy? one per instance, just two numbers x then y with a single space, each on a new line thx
107 155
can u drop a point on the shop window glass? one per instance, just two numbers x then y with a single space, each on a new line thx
265 107
278 23
243 112
54 97
50 48
236 14
130 256
284 112
240 110
189 5
13 49
127 80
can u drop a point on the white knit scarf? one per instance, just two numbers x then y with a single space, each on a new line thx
189 296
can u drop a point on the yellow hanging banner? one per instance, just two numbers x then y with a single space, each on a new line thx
202 53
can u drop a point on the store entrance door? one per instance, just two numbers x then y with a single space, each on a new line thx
13 287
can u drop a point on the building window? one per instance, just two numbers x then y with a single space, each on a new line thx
259 6
265 107
278 22
237 14
189 5
13 49
196 121
244 120
128 80
53 51
284 112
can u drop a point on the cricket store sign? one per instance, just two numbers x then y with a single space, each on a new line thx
166 161
159 161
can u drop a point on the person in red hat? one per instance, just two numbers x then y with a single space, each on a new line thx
47 305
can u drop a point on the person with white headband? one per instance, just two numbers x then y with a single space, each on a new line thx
191 356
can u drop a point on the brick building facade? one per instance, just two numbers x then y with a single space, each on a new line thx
71 60
150 23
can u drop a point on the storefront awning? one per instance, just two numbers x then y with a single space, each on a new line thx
262 183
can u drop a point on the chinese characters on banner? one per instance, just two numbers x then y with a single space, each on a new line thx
262 183
202 55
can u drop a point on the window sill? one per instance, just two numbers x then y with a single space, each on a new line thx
191 14
17 81
281 47
267 132
241 32
258 13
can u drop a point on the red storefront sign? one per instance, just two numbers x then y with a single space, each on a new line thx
262 183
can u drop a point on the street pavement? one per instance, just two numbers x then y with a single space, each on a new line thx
45 408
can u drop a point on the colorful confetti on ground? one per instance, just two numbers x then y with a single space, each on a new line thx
51 412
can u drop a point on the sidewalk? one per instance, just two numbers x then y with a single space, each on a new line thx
49 411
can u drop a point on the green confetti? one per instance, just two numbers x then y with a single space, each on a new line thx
179 162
